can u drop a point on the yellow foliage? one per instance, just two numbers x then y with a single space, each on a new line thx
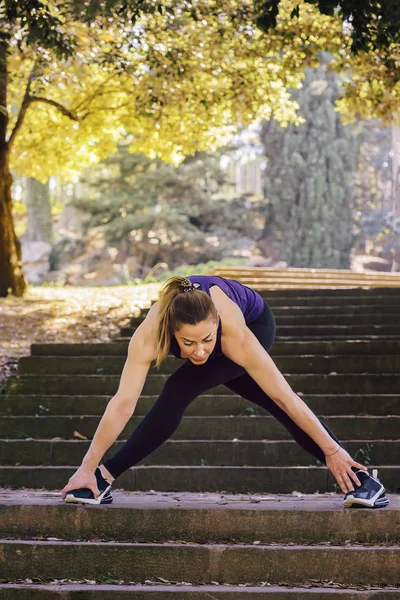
186 85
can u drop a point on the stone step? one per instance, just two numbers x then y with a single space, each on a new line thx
200 563
92 365
197 517
350 331
108 384
28 452
322 284
287 282
337 310
251 271
289 306
360 347
205 404
318 301
332 320
324 315
206 427
350 292
327 280
57 589
320 310
308 338
231 479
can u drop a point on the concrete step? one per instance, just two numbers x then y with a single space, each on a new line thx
267 453
360 347
253 271
301 298
338 310
205 404
315 299
199 517
300 319
339 292
284 283
337 315
57 589
106 365
348 292
206 427
108 384
165 478
287 282
327 280
350 331
201 563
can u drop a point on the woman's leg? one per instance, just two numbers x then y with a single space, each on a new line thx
164 417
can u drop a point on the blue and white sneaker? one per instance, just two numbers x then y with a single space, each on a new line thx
370 494
85 495
107 498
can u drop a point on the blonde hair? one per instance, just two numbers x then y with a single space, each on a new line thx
178 309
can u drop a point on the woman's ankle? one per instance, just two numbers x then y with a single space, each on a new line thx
106 473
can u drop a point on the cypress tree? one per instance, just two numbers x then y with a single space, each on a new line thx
308 179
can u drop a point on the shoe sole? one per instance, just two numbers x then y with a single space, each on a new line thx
101 499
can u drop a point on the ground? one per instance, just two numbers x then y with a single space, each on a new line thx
65 314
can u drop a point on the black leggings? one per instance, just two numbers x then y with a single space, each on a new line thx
188 382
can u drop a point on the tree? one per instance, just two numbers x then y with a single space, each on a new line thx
181 76
308 182
179 83
39 221
157 212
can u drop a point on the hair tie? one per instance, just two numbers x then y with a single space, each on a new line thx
186 286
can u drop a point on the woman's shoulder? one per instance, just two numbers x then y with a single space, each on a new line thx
148 327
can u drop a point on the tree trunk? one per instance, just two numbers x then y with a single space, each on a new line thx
11 274
40 225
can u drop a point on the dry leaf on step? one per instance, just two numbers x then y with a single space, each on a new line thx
79 435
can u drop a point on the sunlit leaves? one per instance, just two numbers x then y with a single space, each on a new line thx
181 77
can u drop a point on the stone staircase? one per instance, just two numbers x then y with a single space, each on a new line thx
229 506
262 278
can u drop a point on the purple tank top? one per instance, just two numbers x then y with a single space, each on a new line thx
249 301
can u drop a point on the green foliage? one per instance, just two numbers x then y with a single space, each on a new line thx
159 213
363 455
308 182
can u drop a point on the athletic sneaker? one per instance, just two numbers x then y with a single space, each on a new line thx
107 498
85 495
370 494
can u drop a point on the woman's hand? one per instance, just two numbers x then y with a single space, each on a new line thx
82 478
340 464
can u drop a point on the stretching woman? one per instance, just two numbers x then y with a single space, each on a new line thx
224 330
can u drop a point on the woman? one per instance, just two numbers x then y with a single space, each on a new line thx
224 331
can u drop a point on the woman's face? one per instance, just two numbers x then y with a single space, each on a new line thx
197 341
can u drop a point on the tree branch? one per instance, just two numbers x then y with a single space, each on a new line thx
28 100
23 109
65 111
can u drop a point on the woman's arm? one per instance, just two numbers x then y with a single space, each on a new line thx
141 352
122 405
242 346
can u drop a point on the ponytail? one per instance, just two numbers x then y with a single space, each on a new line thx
176 309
